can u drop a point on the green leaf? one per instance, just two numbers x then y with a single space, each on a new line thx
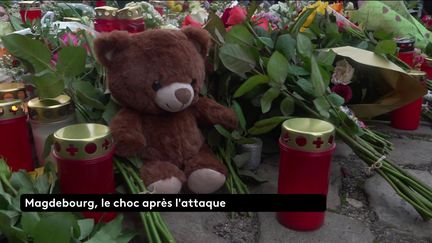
222 131
326 57
386 47
28 221
317 79
12 233
42 184
56 227
267 99
237 59
335 99
267 41
286 45
277 67
363 45
287 106
251 9
48 84
88 94
22 181
239 34
428 50
306 86
109 232
241 159
71 61
85 227
304 46
266 125
251 83
297 70
240 116
111 110
215 27
322 106
33 51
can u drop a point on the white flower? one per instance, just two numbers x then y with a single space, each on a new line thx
342 73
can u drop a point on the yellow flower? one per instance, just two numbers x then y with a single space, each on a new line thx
320 7
175 6
37 172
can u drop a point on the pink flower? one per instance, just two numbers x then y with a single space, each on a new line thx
233 16
343 90
190 21
263 22
53 60
74 39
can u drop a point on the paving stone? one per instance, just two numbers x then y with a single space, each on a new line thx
337 228
408 151
194 226
342 150
425 129
393 210
353 202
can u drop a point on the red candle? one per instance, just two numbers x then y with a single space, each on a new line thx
84 157
427 67
29 11
15 144
131 19
306 148
106 19
406 50
408 116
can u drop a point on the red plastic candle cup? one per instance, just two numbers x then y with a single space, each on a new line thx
106 19
15 146
131 19
306 148
406 50
408 116
29 11
427 67
84 157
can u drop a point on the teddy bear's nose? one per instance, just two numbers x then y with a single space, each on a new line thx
183 95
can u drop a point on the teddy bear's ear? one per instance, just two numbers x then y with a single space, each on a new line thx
199 37
108 43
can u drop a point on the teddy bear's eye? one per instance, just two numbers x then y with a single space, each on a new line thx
156 85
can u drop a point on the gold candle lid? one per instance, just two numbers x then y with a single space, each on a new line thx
29 4
10 109
417 74
308 134
10 91
130 13
83 141
50 109
106 12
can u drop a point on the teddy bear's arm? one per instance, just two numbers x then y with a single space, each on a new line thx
210 112
126 128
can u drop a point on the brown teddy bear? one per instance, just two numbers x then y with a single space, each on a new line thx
156 76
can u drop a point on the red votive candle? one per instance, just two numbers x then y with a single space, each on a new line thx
30 10
84 157
406 50
306 148
131 19
427 67
408 116
106 19
15 145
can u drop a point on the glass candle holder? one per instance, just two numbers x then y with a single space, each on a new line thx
15 144
131 19
46 117
84 157
408 116
30 10
406 50
306 149
106 19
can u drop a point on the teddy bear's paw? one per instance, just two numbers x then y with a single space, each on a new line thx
168 186
205 181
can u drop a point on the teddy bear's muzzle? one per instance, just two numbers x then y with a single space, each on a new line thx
174 97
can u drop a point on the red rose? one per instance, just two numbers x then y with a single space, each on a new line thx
233 16
190 21
263 22
344 91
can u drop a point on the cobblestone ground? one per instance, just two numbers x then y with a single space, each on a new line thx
361 206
